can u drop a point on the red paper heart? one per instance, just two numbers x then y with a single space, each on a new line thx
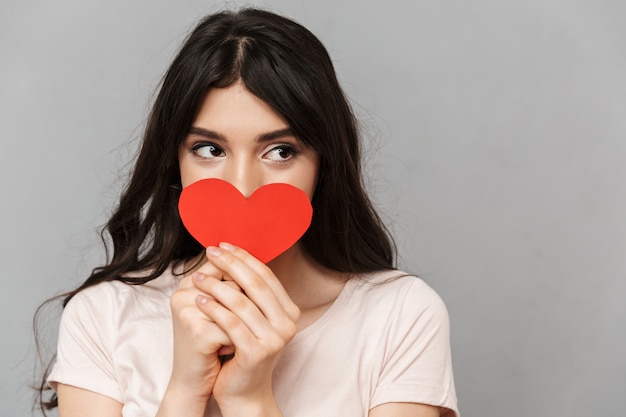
266 224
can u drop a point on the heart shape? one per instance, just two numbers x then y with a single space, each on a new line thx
266 224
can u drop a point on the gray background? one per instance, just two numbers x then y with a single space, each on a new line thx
496 149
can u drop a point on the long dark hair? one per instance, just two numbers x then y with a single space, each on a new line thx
287 67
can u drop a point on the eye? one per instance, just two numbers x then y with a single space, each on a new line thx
207 150
281 153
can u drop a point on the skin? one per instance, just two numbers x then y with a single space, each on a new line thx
233 302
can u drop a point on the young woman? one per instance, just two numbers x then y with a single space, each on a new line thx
328 328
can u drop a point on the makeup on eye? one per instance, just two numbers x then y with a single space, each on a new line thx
281 152
207 150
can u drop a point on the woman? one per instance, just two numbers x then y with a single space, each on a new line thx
326 328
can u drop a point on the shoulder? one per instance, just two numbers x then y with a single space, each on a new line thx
414 342
398 290
103 326
110 298
398 304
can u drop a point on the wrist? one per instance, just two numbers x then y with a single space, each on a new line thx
179 400
265 407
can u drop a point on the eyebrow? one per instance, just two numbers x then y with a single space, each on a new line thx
265 137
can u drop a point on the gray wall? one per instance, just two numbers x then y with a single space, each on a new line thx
496 133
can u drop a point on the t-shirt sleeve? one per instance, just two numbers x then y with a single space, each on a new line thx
417 367
85 345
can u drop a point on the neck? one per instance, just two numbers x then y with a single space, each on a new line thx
292 267
307 282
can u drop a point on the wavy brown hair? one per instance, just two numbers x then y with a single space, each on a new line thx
288 68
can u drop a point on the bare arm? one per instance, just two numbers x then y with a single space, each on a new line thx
78 402
404 410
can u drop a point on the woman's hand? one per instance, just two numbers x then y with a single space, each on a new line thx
259 322
198 342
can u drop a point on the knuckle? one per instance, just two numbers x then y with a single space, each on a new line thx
256 284
241 303
288 330
231 321
294 312
177 300
275 345
266 271
186 314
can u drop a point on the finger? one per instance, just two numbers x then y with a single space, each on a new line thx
239 333
188 282
250 348
233 285
253 343
245 311
268 277
259 267
194 323
255 285
208 268
198 277
204 267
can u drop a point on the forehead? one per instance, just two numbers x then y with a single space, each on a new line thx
234 108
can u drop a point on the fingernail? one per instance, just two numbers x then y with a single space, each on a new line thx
227 246
214 251
198 276
201 299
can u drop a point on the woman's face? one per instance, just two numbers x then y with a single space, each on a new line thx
238 138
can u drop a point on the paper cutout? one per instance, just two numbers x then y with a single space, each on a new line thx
266 224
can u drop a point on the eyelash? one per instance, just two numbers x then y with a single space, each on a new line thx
290 149
197 146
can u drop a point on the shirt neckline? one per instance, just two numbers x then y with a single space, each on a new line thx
329 314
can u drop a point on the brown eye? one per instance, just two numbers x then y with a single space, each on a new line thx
281 153
207 150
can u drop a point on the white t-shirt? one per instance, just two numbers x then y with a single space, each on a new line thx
385 339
